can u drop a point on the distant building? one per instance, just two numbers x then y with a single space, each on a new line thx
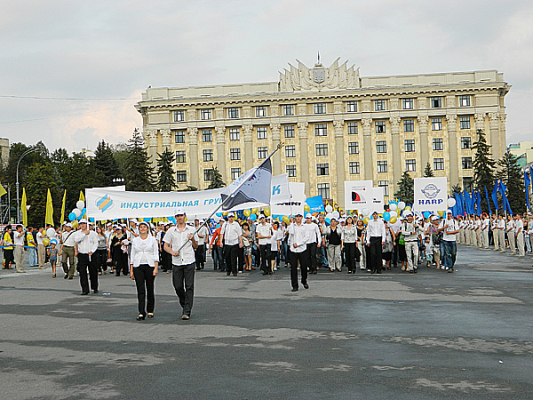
523 151
4 151
336 126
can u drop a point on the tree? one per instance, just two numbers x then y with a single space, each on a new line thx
456 189
406 189
105 162
138 174
165 172
428 172
40 179
189 188
511 174
484 166
217 181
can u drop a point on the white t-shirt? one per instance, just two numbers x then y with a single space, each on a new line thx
176 239
450 226
264 230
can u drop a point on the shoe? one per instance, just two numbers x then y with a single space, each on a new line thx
373 272
185 317
53 276
416 270
140 317
379 271
21 272
331 270
150 315
66 276
294 289
70 277
450 270
84 293
306 286
95 291
349 272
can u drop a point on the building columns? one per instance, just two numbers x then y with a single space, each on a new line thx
193 157
340 161
396 155
304 161
423 131
452 149
367 148
494 133
276 158
221 151
248 149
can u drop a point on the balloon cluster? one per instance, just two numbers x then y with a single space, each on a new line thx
78 212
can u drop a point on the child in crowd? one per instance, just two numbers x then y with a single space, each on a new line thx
429 252
52 255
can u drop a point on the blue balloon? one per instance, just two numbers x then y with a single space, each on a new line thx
427 214
328 221
91 219
72 216
219 214
253 217
386 216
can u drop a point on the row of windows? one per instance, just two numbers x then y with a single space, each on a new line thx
319 108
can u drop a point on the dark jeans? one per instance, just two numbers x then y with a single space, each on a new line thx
183 281
218 255
83 265
144 279
304 263
265 258
101 260
395 254
375 254
450 251
311 249
350 249
230 254
200 256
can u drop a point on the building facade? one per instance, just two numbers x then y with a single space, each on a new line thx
523 151
335 126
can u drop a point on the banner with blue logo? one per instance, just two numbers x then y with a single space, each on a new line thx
431 194
316 204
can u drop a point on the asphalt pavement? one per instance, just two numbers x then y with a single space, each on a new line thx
430 335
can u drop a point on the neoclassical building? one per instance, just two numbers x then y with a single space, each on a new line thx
335 125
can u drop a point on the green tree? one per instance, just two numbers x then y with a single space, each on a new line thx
40 178
138 174
484 166
189 188
511 174
456 189
106 163
428 172
406 189
217 181
165 172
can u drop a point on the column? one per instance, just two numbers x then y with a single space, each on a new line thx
276 158
165 133
495 134
452 146
193 157
367 148
221 151
499 155
340 161
151 136
304 159
248 147
396 154
423 132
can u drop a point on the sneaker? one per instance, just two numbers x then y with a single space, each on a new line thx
185 317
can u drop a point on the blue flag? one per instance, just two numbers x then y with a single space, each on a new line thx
469 203
459 204
316 204
506 204
527 181
478 201
488 202
494 195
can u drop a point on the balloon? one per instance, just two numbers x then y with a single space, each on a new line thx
365 211
407 208
426 214
328 220
74 224
441 213
386 216
286 219
80 204
76 212
46 242
50 232
255 210
253 217
185 219
329 208
451 202
219 214
329 215
393 220
393 214
72 216
365 220
91 219
393 206
401 205
247 213
225 214
307 208
267 212
335 214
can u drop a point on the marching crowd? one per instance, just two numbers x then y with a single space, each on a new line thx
306 245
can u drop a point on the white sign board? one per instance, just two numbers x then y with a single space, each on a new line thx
431 194
296 203
358 194
377 199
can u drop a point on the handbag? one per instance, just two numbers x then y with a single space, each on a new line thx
401 240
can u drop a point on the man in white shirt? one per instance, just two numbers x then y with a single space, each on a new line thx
18 236
410 234
315 240
495 232
510 229
485 231
86 244
263 233
298 238
201 236
449 239
180 244
67 251
375 239
501 232
519 231
231 241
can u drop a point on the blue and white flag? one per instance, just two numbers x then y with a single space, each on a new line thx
527 181
254 186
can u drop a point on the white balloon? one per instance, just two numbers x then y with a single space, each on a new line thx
77 212
451 202
329 208
50 232
393 214
335 214
393 206
80 204
365 211
401 205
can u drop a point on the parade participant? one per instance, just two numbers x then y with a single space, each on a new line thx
501 232
298 238
410 236
450 228
102 251
86 244
349 245
323 262
231 239
396 226
247 243
388 247
360 225
216 249
200 236
315 240
495 232
41 250
375 239
263 233
18 237
66 251
32 247
530 233
477 227
52 256
119 252
485 224
7 240
143 269
180 243
519 232
510 229
275 245
432 233
333 243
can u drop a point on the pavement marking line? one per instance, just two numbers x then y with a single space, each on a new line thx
462 386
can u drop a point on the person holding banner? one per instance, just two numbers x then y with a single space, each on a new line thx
298 238
85 246
375 239
410 231
231 240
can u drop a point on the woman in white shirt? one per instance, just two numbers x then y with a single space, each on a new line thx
144 263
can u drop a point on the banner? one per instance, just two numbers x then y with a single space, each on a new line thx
316 204
430 194
295 204
358 194
106 204
377 199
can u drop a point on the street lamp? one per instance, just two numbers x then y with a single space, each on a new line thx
18 163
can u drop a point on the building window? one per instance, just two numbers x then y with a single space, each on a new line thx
208 174
468 184
408 125
381 146
180 156
464 101
319 108
234 134
409 145
260 111
353 147
385 186
351 106
407 104
233 112
382 166
322 169
261 132
206 114
181 176
207 135
321 130
179 116
291 171
379 105
464 122
436 124
262 153
354 167
288 109
323 190
179 136
235 154
410 165
436 102
289 131
466 162
466 143
352 128
321 149
235 173
380 126
437 144
438 164
208 155
290 151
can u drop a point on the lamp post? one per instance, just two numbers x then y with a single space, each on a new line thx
18 164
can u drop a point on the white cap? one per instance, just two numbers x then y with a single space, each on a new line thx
144 223
179 211
435 217
201 221
308 215
261 216
134 221
83 221
298 213
91 223
407 214
231 215
108 224
161 223
448 211
68 224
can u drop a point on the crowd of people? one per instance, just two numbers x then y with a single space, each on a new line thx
306 245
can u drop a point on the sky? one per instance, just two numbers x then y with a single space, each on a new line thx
71 71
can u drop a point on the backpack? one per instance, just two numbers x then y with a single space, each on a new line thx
436 238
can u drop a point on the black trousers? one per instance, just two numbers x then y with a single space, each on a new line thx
264 249
395 252
311 249
144 280
199 254
303 260
350 249
240 258
83 265
230 255
375 253
183 281
101 260
8 257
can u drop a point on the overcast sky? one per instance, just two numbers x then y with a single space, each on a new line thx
71 71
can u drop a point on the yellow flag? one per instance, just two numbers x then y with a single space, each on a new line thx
62 220
49 216
82 197
2 191
23 208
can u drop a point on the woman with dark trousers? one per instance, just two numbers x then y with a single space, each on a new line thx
349 245
120 257
101 253
143 269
